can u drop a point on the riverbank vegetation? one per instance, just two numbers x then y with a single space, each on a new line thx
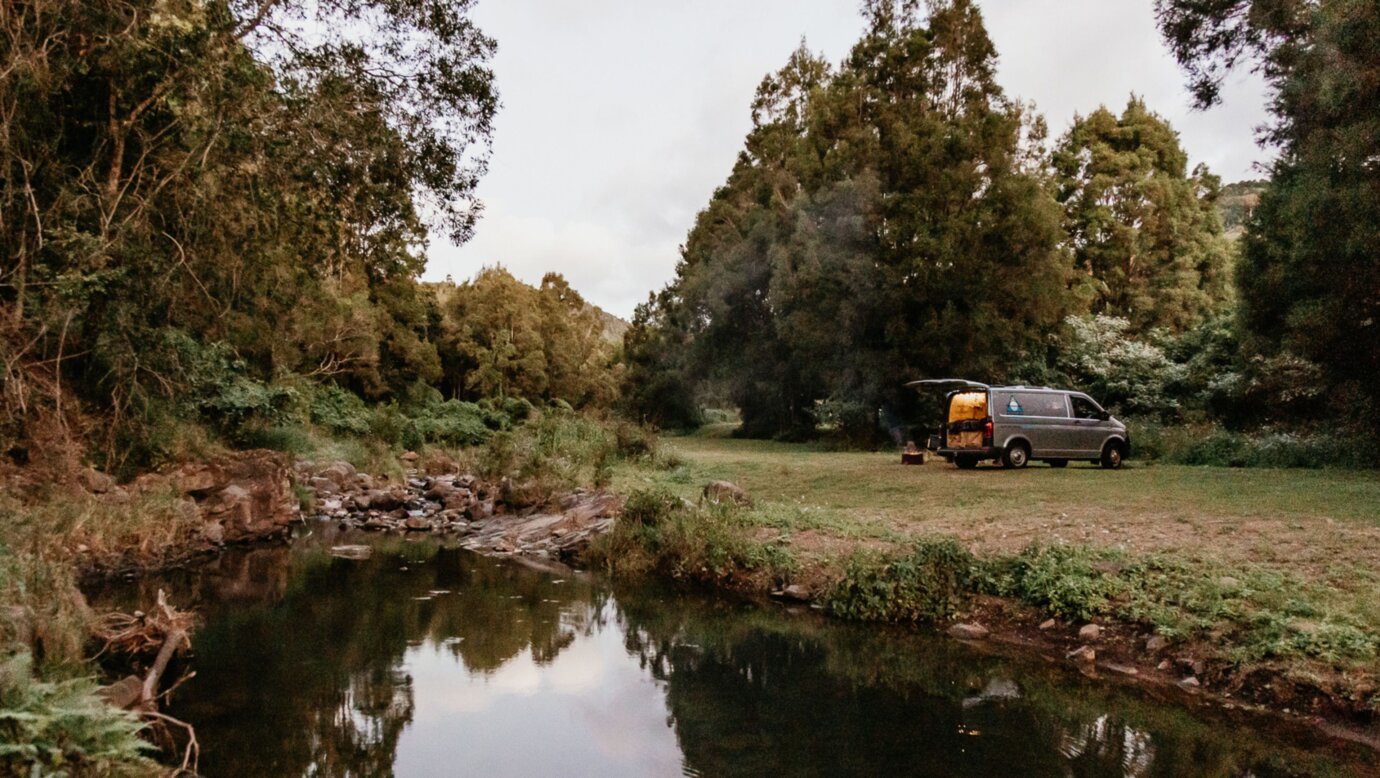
216 215
1241 569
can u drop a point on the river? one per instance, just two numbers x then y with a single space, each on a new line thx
428 660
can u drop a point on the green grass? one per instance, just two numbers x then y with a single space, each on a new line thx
1255 565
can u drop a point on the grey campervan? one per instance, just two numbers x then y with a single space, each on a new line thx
1015 424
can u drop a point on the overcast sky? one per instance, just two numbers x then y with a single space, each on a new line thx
620 117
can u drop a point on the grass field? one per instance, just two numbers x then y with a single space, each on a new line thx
1271 563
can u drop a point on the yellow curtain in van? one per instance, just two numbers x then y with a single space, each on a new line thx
969 406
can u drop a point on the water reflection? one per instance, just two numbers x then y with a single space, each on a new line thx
426 660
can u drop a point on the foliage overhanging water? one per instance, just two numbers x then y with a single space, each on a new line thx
428 660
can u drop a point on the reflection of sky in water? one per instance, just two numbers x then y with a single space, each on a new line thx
591 711
454 664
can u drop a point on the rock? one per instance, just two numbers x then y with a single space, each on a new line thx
439 490
1163 665
416 523
1190 681
458 499
1189 665
377 524
324 486
364 481
384 500
213 532
409 456
1083 655
968 631
1090 633
94 481
720 492
1156 643
248 494
352 551
124 693
1123 669
342 474
1048 624
197 480
795 592
1227 582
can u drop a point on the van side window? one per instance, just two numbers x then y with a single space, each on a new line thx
1083 408
1033 404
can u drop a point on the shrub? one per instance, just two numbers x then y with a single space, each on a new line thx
928 584
339 410
51 728
649 508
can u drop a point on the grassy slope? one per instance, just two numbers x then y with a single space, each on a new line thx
1262 565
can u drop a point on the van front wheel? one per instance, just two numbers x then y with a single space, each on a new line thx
1111 456
1015 456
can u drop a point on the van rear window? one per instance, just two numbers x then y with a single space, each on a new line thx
1031 404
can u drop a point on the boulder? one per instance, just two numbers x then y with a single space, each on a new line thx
124 693
1047 624
213 532
197 480
1083 655
418 523
968 631
384 500
458 500
94 481
342 474
324 486
248 494
1156 643
720 492
1090 633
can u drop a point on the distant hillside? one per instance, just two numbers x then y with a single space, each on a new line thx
614 327
1235 204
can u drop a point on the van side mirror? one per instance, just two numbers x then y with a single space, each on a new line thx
1104 416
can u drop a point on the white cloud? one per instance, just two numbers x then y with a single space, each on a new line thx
620 117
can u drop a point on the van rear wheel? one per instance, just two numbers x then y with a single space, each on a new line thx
1015 456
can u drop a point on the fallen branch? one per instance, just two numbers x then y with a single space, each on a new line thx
192 754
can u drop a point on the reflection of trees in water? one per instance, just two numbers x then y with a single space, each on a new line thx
299 672
308 678
753 690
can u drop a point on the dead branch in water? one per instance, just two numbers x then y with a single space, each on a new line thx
168 631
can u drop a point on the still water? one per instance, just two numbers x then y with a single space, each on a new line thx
425 660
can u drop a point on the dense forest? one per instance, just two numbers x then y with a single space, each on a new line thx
899 216
214 218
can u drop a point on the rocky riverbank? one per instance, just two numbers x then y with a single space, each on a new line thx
488 516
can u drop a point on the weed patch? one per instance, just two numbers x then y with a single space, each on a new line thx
927 584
